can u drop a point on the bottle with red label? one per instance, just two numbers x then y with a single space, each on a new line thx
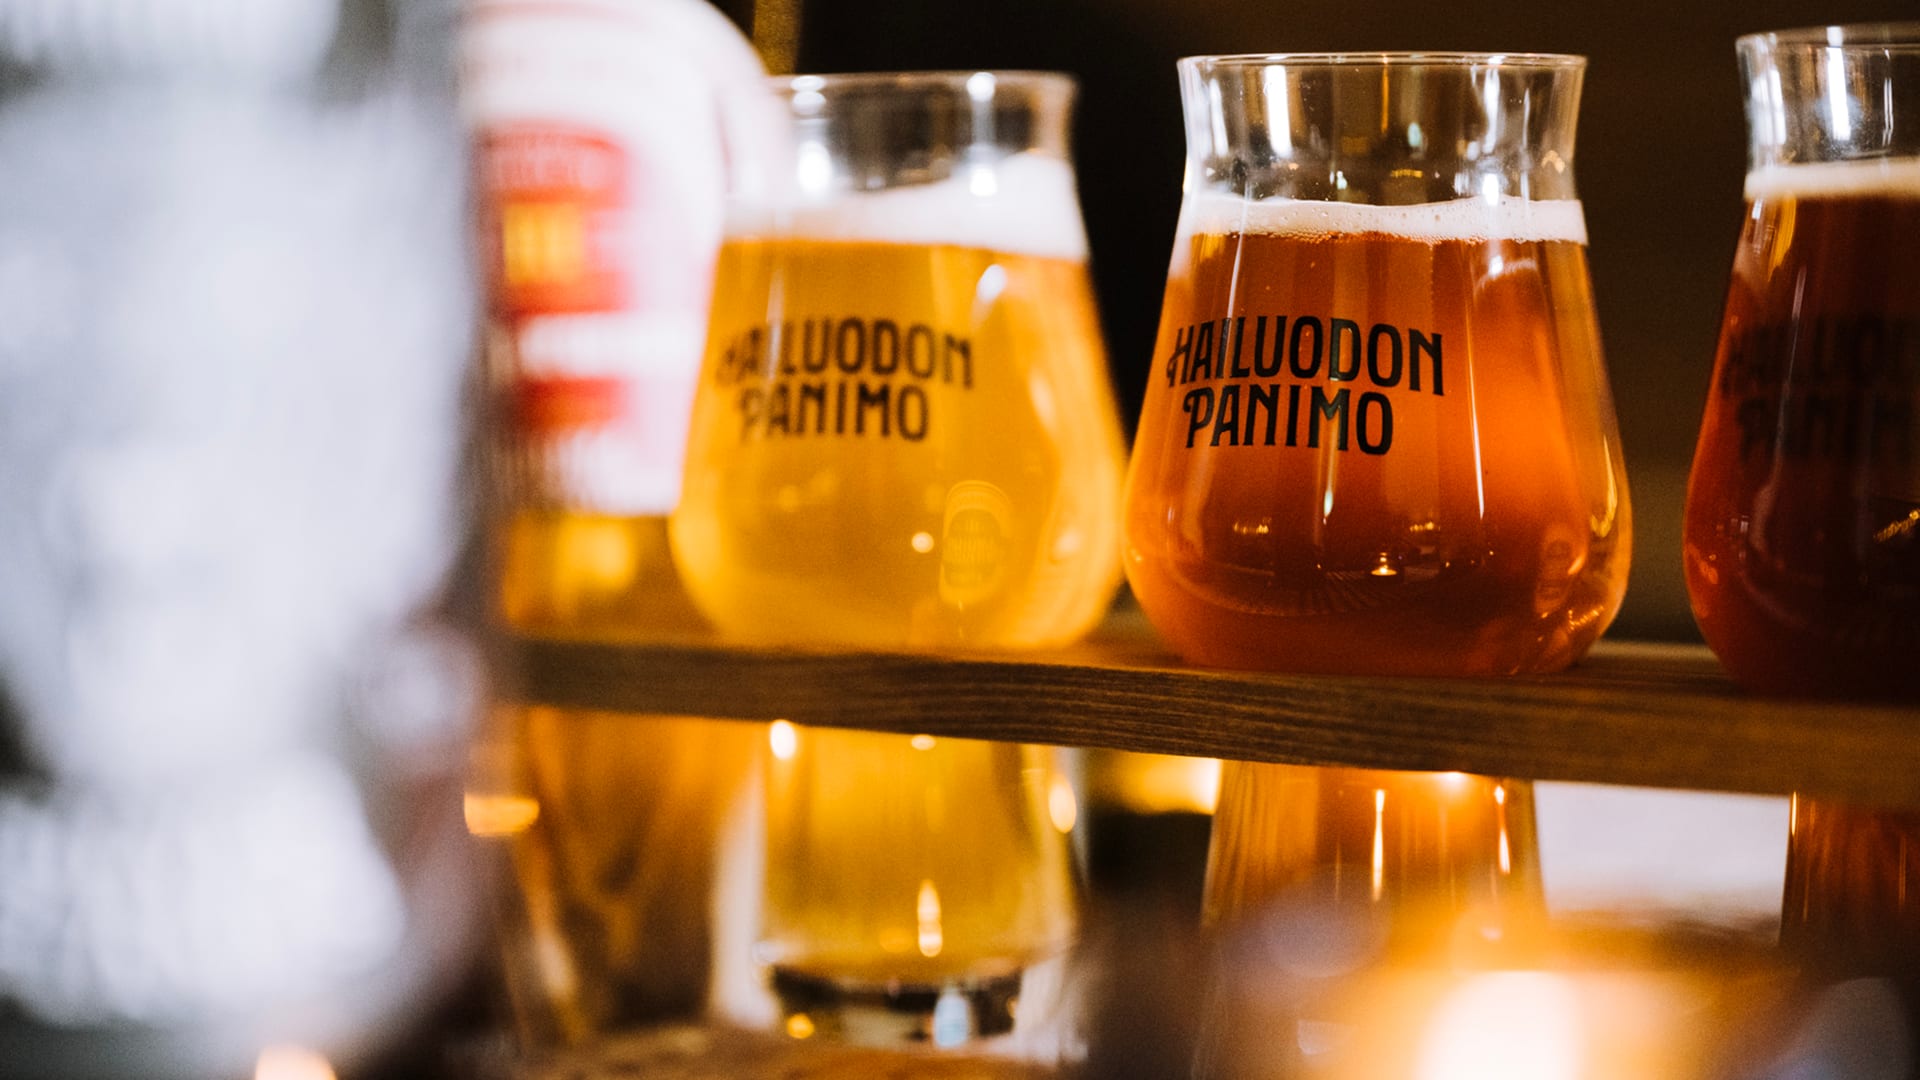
598 129
598 134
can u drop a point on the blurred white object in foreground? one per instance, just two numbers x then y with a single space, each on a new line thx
234 327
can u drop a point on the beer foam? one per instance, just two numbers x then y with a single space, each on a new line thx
1023 204
1887 177
1509 218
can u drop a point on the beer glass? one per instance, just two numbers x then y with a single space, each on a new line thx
910 883
1851 905
1315 874
614 829
597 134
600 212
1377 435
903 438
903 433
1415 848
1803 508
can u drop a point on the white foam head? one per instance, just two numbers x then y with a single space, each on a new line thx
1024 203
1504 218
1897 178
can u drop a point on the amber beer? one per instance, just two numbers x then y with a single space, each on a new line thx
904 434
1803 510
1378 439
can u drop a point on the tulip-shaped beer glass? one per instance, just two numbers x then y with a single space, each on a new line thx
1314 874
903 437
1377 434
904 434
1803 508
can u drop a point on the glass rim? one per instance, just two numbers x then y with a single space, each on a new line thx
1902 37
1522 61
959 81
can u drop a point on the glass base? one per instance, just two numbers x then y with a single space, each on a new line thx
955 1013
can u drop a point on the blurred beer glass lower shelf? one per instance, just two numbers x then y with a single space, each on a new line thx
1640 714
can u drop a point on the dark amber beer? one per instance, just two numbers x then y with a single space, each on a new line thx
1803 511
1378 439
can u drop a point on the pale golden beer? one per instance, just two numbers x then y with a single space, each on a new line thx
903 437
1370 442
904 434
922 865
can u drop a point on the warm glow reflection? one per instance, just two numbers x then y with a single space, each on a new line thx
1512 1025
923 742
783 740
931 938
1379 842
1062 807
291 1063
800 1026
1506 847
491 816
1156 784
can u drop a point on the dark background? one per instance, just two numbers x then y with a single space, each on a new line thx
1661 153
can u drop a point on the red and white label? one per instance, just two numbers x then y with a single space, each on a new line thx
601 184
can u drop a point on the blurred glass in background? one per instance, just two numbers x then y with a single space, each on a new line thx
234 329
600 133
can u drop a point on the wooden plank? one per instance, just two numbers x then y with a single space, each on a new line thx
690 1052
1632 713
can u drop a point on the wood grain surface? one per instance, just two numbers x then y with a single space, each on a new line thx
1642 714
